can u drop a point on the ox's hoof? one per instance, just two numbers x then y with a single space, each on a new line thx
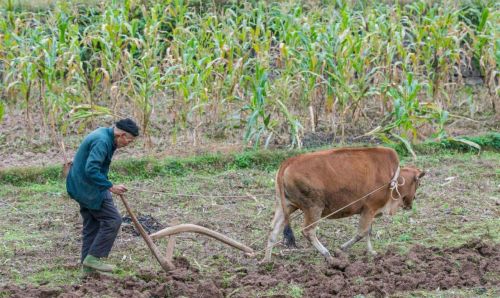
373 253
337 263
339 253
330 260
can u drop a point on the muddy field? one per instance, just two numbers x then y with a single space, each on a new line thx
474 265
447 245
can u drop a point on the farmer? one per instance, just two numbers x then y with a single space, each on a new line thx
87 183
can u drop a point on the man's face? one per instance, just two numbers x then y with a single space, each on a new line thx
123 139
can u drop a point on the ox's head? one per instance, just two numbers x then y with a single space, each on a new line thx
412 178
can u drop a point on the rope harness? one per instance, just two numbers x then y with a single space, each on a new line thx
393 186
199 195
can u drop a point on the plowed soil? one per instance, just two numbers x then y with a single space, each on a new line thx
473 265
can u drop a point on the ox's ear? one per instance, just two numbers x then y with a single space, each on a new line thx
420 175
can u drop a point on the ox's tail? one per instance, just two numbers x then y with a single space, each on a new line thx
288 237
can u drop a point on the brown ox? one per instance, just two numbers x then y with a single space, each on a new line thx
325 182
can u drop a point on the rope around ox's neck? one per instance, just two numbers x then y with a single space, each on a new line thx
394 185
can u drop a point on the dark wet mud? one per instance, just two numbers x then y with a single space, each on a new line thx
473 265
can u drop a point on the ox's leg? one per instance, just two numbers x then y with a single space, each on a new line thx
311 217
277 226
365 223
369 242
349 243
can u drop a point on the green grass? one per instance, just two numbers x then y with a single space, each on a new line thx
296 291
55 276
290 290
266 160
15 235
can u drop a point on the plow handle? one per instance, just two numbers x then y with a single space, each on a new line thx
164 263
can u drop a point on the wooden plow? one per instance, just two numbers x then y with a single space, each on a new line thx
170 232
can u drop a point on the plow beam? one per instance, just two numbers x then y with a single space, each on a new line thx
183 228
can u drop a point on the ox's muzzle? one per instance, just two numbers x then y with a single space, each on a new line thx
408 203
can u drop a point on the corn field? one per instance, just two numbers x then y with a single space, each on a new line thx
258 69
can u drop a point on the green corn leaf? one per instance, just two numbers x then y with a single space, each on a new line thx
466 142
407 144
83 112
2 110
267 120
376 130
484 18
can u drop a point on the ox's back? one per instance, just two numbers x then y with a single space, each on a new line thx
334 178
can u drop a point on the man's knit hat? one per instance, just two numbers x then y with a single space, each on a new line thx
129 126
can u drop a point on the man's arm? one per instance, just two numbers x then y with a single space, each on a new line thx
93 167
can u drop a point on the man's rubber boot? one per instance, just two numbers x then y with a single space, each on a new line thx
87 271
96 264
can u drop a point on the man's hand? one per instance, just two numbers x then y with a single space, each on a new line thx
118 189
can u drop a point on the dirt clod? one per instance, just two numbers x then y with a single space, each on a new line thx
148 222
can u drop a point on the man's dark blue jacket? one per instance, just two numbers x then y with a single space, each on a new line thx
87 180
